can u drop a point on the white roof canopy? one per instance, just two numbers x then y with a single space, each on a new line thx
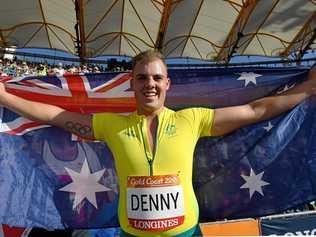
203 29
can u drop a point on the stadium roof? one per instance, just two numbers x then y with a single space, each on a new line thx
203 29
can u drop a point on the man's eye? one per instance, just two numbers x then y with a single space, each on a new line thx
157 78
141 78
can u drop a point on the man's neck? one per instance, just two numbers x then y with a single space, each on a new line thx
152 124
151 115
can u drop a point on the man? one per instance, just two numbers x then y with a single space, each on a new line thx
155 176
59 70
41 70
24 69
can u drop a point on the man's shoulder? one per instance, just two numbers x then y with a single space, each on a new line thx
193 110
111 115
107 123
196 114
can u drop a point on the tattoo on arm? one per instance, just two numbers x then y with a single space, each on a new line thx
78 128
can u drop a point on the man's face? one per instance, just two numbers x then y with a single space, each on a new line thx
150 83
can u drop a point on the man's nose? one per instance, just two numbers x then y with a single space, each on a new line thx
150 82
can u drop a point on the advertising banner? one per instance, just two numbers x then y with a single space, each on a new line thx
303 225
246 227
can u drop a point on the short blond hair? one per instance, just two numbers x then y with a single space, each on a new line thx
148 56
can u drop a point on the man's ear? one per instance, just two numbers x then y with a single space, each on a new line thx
169 83
131 82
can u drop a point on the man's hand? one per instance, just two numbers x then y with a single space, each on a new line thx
2 93
312 79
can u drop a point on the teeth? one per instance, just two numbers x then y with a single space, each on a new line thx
150 93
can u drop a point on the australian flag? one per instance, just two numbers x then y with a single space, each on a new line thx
54 180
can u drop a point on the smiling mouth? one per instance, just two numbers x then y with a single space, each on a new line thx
150 94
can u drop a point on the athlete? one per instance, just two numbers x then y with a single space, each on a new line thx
153 147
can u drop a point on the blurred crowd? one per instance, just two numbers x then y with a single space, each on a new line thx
18 68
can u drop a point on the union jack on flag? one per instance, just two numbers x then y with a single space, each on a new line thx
89 93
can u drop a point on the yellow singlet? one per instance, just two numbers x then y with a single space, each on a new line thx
156 192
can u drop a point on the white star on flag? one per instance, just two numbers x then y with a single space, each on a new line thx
248 77
269 127
85 184
254 183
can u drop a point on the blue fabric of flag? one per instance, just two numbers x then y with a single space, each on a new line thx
261 169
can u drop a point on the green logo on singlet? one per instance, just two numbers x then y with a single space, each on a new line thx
170 129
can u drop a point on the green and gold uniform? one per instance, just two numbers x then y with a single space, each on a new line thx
156 192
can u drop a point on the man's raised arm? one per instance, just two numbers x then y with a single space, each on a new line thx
228 119
79 124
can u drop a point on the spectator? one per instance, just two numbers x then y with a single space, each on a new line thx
59 70
11 69
95 69
24 69
84 69
2 73
1 65
73 69
41 70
